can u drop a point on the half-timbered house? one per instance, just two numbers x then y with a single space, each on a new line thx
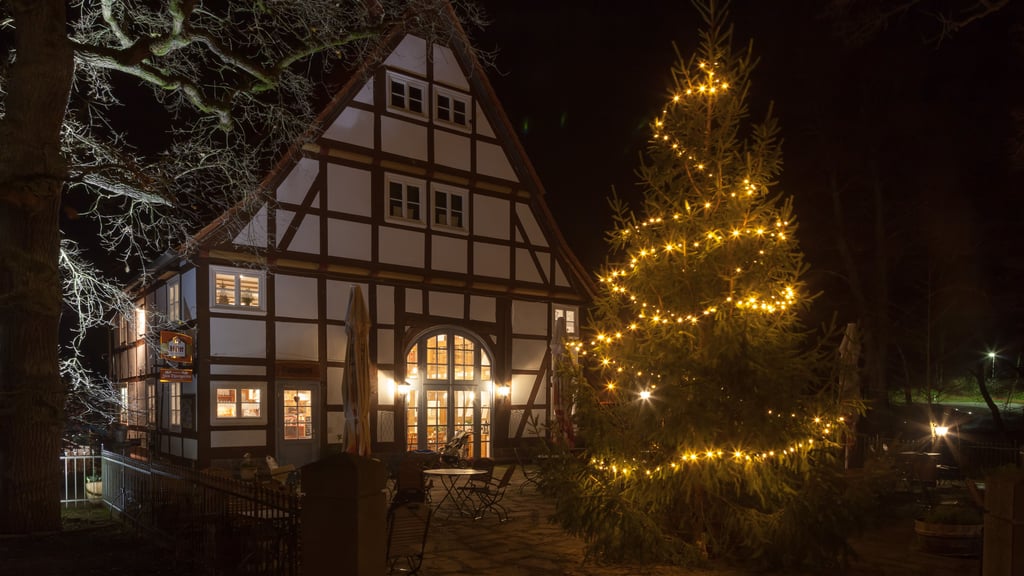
416 190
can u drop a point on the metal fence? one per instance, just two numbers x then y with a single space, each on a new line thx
217 525
81 474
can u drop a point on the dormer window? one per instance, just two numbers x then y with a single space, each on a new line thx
406 94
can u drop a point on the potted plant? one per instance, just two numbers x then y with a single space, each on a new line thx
94 488
951 529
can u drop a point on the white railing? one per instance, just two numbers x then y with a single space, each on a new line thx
82 480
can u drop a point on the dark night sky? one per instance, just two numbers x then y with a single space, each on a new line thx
581 80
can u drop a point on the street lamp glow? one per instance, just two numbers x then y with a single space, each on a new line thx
941 430
645 394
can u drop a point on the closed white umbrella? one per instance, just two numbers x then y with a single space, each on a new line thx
356 381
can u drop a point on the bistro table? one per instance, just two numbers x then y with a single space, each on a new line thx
451 478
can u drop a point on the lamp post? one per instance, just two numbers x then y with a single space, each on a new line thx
992 355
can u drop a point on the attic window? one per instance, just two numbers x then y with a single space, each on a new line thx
237 288
450 209
405 94
452 108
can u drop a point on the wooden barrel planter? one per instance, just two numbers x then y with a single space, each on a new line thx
949 539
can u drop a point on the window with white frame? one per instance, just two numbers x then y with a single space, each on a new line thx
405 199
238 403
174 299
151 403
174 404
451 107
406 94
570 319
237 288
450 208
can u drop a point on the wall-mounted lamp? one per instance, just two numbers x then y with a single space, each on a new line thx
403 388
504 390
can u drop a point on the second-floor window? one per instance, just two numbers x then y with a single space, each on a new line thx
450 209
570 320
405 199
241 289
174 300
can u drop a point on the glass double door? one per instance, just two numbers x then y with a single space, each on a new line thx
451 393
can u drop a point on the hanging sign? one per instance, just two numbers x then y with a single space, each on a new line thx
175 374
176 347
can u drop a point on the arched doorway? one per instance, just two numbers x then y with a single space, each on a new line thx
449 373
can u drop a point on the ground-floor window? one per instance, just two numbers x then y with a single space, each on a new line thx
449 373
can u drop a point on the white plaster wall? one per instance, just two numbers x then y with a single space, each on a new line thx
385 388
307 237
447 69
365 94
560 278
188 294
353 126
237 370
335 427
490 217
385 345
401 247
522 385
294 187
529 222
490 260
449 254
409 55
190 448
337 340
528 354
385 304
237 337
338 294
452 150
347 239
335 374
404 138
530 317
446 304
295 297
297 341
482 308
349 190
237 438
491 160
255 232
526 270
413 301
483 126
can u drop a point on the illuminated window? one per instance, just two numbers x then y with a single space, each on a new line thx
451 108
405 94
174 299
151 404
464 349
298 414
570 320
174 404
437 357
240 289
239 403
140 323
450 209
405 199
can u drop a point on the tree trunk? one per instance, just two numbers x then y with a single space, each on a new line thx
32 175
997 418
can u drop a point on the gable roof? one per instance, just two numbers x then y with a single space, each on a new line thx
219 231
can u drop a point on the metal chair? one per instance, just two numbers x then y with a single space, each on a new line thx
407 527
489 496
531 475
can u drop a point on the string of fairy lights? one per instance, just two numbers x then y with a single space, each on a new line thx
770 229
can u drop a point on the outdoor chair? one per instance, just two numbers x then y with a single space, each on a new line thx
482 464
410 485
481 498
407 527
531 474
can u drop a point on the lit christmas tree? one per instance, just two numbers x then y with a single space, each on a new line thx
711 431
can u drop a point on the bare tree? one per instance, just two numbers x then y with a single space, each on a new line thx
226 88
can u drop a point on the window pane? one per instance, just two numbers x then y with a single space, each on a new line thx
249 290
443 106
226 406
485 366
397 94
224 285
464 349
415 99
412 364
437 358
250 403
460 112
298 415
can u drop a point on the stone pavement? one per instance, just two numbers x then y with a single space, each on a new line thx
528 545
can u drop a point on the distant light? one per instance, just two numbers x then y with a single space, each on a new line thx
645 394
992 355
941 430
